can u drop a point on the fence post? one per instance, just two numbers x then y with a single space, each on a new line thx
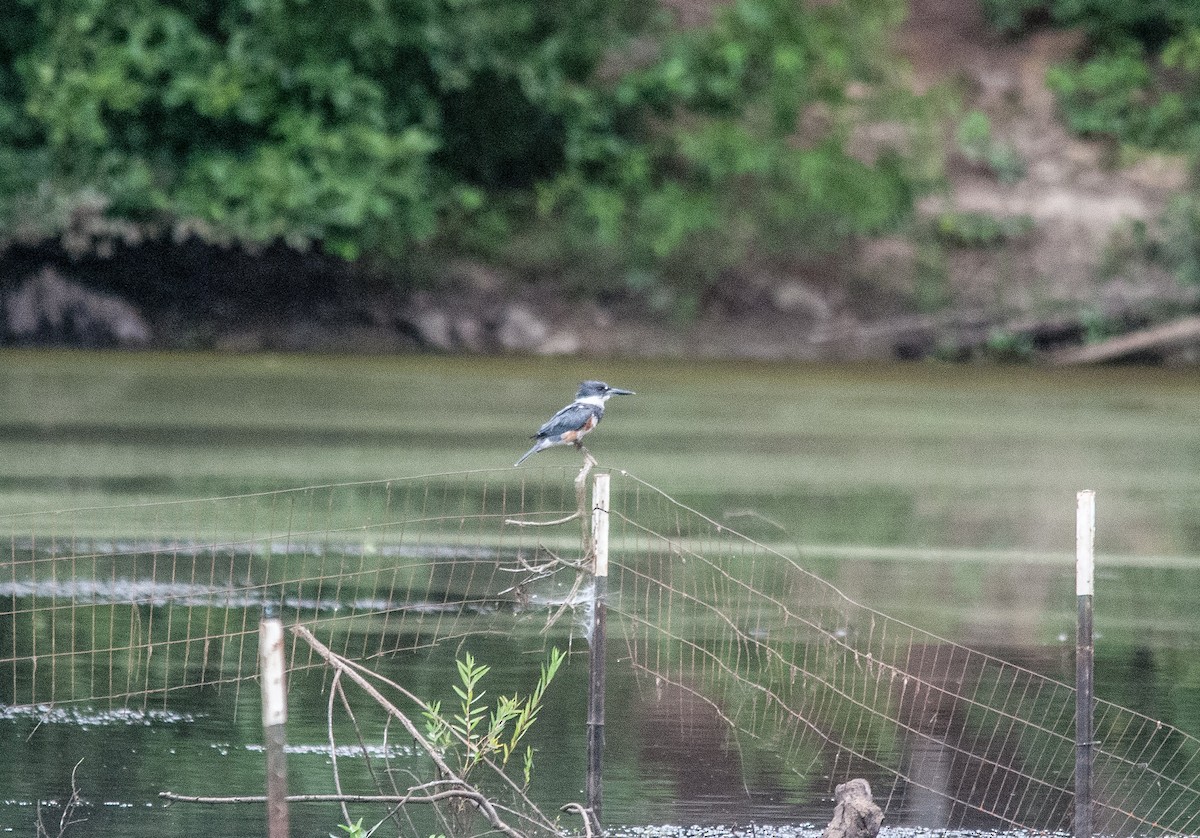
1085 535
274 716
595 724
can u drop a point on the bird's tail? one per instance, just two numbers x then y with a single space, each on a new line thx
537 446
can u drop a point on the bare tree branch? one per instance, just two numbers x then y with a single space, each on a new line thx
461 789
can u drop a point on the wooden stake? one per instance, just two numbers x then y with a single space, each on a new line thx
1085 535
274 707
595 723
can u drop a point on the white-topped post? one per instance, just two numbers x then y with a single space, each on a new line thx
1085 574
274 717
595 722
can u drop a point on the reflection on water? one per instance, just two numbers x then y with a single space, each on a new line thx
940 497
672 752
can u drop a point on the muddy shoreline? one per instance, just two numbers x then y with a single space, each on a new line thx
249 303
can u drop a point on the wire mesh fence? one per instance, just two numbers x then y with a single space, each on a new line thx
125 606
960 738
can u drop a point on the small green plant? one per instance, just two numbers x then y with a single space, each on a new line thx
1098 326
1179 248
476 732
1007 345
931 285
978 145
1135 98
1105 95
978 229
353 830
1011 17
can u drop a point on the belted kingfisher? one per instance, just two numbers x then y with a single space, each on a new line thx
570 424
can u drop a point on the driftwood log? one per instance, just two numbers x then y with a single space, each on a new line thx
856 815
1155 339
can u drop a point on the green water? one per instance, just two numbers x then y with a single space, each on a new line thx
909 456
943 496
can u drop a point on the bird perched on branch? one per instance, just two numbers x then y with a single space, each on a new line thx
569 425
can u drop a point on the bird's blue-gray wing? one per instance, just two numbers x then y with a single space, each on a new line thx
571 418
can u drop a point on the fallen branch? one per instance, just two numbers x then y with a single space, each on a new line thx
462 789
591 826
1156 337
172 797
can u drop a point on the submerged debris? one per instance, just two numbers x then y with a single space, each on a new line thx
856 814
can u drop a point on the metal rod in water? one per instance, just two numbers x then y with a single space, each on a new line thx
595 723
274 707
1085 536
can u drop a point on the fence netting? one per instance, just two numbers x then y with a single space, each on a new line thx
127 605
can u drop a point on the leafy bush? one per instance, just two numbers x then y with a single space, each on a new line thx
1012 16
1008 346
1180 246
1140 80
259 120
720 163
1111 24
368 128
977 144
1117 94
480 732
1140 86
1107 23
978 229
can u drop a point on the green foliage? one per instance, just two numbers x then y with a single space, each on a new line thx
477 732
352 830
1112 23
978 229
360 126
1140 86
1107 23
1180 245
1140 80
1173 242
1012 16
374 127
1118 94
977 144
1005 345
714 167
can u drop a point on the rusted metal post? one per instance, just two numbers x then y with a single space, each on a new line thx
274 714
1085 536
595 723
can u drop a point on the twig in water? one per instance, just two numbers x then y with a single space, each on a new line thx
67 818
333 758
591 827
470 794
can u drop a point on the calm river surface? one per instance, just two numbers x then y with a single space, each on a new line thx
942 496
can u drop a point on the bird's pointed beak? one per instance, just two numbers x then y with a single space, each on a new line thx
617 391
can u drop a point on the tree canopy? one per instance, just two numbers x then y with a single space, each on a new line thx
371 127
